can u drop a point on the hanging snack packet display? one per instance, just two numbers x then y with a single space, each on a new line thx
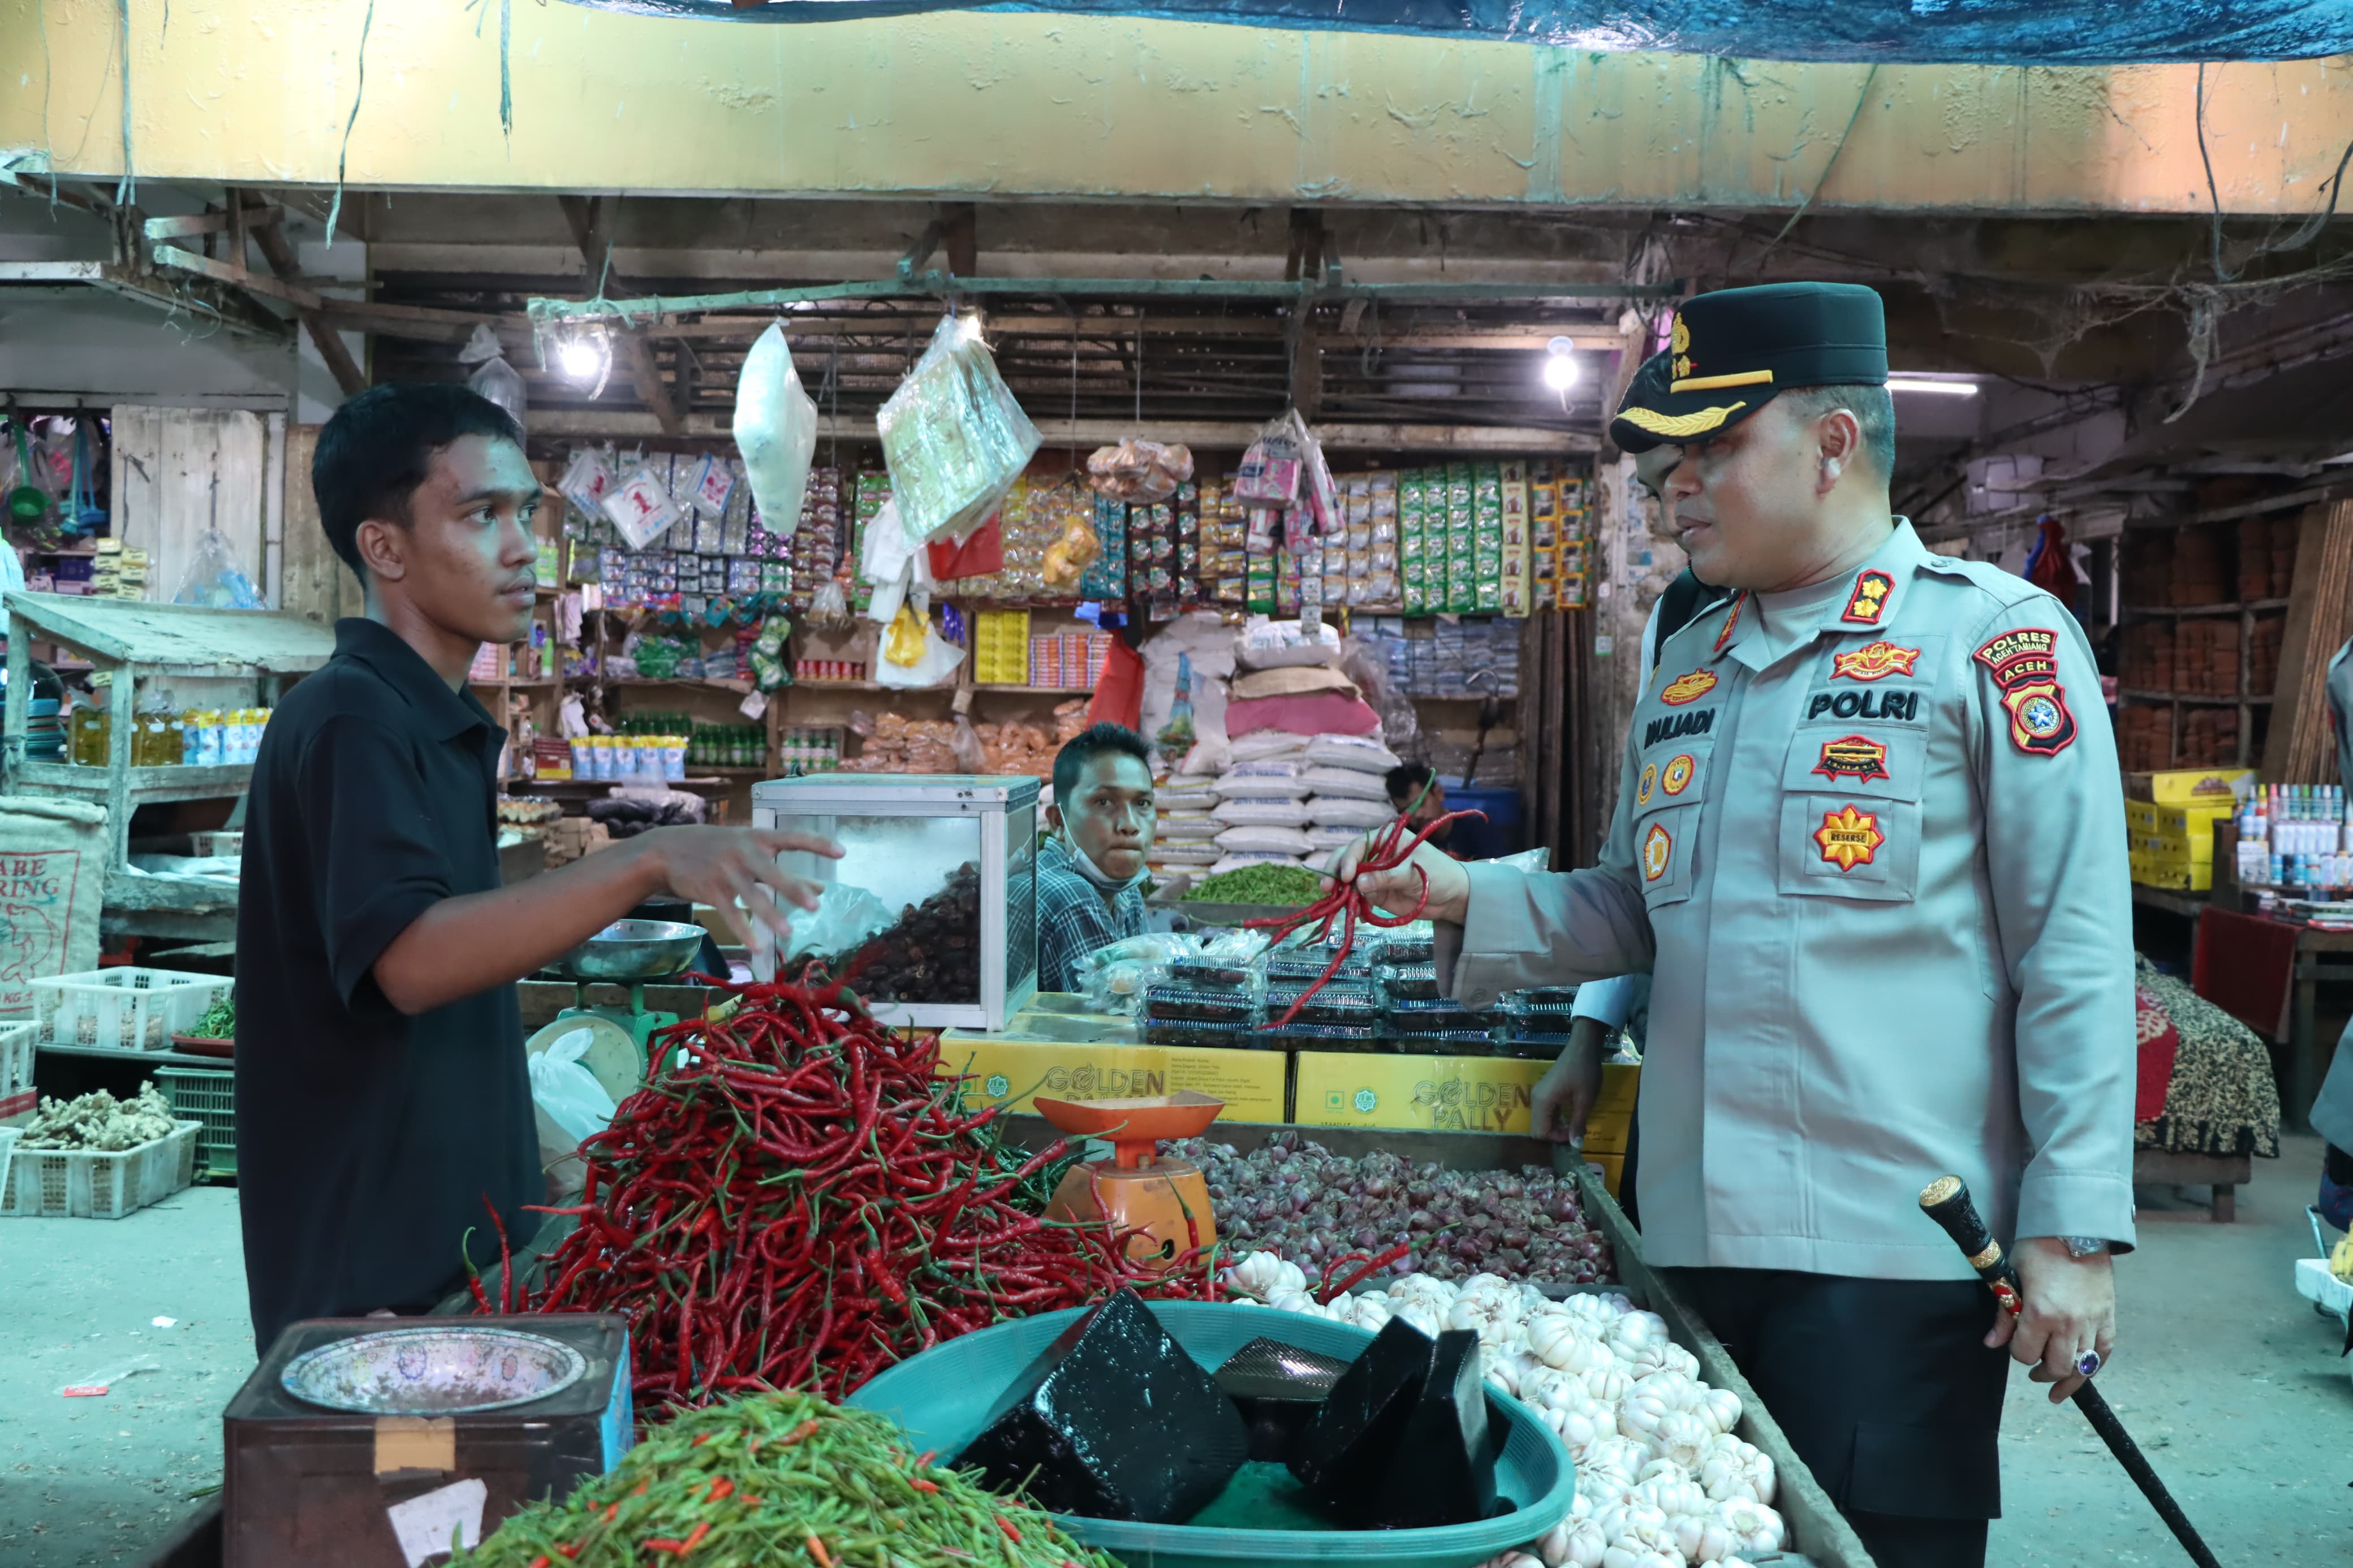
953 436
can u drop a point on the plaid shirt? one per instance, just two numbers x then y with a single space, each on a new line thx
1073 919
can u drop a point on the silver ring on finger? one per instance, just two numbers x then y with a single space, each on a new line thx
2088 1363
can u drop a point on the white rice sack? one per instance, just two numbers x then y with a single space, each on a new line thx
1198 828
1361 752
1347 783
1265 768
1190 856
1189 798
1236 862
1333 836
1246 786
1261 744
1285 841
1338 811
1261 813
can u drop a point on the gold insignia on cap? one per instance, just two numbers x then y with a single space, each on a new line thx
1681 341
1677 426
1718 382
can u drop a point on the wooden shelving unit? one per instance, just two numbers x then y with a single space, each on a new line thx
2251 702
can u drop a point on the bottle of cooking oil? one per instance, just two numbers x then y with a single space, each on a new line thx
90 736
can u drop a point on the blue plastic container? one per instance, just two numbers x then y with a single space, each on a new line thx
1500 835
941 1396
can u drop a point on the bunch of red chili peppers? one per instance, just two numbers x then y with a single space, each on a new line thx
806 1200
1343 904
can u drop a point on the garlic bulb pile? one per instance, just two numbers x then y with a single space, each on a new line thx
1663 1482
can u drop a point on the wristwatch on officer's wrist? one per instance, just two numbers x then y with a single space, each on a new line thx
2081 1247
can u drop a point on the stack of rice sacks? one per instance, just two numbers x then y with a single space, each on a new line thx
1296 799
1185 838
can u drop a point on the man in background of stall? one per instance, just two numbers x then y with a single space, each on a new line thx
1415 788
2332 1108
1879 858
1090 872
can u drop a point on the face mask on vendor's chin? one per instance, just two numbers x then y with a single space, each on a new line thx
1095 874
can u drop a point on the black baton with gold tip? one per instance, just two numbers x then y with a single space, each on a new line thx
1945 1200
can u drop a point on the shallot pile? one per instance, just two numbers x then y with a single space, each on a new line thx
1662 1480
1296 1198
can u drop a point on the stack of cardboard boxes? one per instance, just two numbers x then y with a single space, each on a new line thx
2169 820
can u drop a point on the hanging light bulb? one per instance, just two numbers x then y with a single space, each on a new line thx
583 355
577 359
968 329
1560 370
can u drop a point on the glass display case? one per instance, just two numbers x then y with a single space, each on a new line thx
931 914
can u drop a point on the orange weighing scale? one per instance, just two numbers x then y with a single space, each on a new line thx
1140 1189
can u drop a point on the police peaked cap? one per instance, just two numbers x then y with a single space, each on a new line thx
1735 349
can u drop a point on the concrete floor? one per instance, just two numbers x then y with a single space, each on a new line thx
2225 1377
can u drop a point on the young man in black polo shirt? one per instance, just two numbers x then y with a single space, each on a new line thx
382 1094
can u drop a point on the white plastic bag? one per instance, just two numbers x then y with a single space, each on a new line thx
640 506
569 1105
954 435
495 379
776 429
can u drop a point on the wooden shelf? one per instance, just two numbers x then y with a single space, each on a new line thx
2197 698
717 683
2247 606
512 680
1034 691
147 783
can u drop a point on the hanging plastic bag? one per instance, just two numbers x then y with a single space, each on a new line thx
829 606
214 579
587 481
952 434
495 379
776 429
903 645
936 661
1067 558
1140 471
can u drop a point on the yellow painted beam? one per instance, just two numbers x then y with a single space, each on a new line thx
1021 106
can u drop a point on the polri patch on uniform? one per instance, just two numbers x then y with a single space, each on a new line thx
1650 782
2024 664
1677 777
1868 603
1731 620
1856 757
1849 837
1688 687
1657 847
1875 661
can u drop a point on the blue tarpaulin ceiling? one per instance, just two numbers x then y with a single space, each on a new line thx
1958 32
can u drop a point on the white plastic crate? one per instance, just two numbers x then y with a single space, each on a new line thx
127 1009
81 1184
17 1097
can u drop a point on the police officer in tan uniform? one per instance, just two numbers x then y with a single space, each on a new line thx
1870 836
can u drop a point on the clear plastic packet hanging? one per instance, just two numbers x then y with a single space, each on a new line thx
214 578
776 429
954 435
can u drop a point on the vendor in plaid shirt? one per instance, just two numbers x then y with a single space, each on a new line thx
1090 872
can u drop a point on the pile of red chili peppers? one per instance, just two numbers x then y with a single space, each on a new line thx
806 1201
1345 904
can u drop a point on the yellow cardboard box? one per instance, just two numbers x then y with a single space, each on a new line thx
1442 1094
2147 819
2173 847
1012 1073
2193 876
2191 786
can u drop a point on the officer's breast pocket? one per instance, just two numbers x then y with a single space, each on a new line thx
1669 796
1850 813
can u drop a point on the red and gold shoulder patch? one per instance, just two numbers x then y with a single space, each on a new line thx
1677 777
1856 757
1868 603
2024 665
1658 847
1849 837
1731 620
1688 687
1875 661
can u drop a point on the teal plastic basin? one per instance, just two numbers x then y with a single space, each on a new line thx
941 1396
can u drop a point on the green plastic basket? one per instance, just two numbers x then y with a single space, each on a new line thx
209 1100
941 1396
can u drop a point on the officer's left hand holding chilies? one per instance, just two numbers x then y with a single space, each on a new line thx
1398 890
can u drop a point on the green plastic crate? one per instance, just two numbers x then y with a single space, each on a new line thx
209 1100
